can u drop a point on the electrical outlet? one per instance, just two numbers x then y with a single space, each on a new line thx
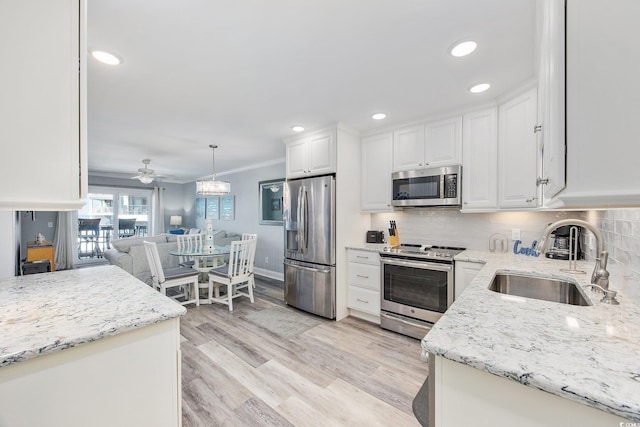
50 224
515 234
266 260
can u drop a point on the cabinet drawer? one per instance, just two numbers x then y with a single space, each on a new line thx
365 257
364 300
367 276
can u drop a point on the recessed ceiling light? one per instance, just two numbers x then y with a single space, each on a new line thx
297 128
378 116
479 88
106 57
464 48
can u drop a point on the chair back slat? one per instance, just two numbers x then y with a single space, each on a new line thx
241 257
157 273
188 243
248 236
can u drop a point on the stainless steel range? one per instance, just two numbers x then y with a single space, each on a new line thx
417 287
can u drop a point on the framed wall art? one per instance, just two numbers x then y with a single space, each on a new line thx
227 207
213 207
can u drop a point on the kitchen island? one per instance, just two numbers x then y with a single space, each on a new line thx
93 346
532 362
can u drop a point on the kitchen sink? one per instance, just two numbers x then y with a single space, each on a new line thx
541 288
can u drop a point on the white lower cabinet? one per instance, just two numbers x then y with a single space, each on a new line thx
465 271
490 400
130 379
364 284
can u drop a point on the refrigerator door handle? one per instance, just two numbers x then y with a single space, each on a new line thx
302 219
314 270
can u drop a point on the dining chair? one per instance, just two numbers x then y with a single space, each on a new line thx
88 235
236 276
188 242
184 278
248 236
126 227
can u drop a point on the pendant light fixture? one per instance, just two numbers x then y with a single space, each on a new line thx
212 187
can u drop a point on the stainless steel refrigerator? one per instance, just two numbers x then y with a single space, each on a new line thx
309 245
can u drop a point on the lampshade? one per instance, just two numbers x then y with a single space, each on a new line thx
212 187
175 220
145 179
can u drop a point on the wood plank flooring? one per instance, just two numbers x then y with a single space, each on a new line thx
239 371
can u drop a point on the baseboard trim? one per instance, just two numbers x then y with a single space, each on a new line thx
268 273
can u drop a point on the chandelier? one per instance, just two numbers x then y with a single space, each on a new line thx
212 187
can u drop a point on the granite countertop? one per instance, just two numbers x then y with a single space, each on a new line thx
590 355
369 247
47 312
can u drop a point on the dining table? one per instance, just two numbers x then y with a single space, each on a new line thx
205 257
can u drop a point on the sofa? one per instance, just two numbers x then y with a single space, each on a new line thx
128 253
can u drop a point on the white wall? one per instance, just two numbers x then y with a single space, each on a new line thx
244 186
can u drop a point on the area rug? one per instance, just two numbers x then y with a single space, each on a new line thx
283 321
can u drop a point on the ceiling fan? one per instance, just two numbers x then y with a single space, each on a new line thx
146 175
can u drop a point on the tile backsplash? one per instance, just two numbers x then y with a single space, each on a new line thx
449 227
470 230
621 232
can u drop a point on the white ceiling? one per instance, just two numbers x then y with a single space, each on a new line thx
240 73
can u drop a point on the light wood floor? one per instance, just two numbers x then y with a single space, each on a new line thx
236 372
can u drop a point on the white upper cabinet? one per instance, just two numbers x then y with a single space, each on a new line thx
377 153
311 155
43 105
443 142
551 96
603 104
480 161
408 148
518 152
434 144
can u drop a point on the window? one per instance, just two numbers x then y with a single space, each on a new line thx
110 213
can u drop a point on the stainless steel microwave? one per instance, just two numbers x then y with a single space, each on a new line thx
427 187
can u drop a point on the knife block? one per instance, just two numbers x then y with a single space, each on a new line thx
394 240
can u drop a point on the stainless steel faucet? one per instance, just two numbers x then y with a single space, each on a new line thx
600 275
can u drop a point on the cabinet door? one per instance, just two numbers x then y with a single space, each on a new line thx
551 96
443 142
464 273
297 156
602 104
322 153
40 105
479 170
408 149
377 153
518 152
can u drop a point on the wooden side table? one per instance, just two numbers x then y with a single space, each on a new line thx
39 251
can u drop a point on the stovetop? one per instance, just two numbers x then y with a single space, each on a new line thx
422 251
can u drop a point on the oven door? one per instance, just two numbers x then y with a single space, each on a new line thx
415 288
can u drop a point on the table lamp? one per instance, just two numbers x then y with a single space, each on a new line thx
175 220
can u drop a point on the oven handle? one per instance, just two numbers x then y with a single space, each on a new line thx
417 264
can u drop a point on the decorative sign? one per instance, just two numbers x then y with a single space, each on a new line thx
200 208
213 207
531 251
227 207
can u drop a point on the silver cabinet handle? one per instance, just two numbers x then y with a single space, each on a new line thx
360 275
361 300
363 257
